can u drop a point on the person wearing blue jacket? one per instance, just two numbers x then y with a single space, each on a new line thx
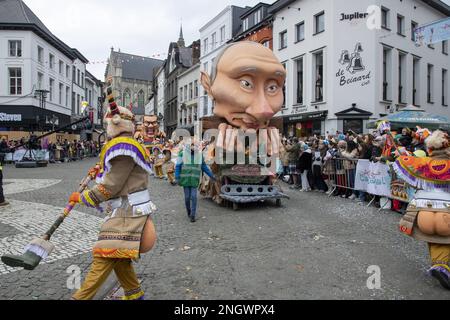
188 173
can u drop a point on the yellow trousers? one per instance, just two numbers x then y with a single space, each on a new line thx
171 176
101 269
159 172
440 254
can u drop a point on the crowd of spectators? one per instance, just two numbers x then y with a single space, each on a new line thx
323 163
59 151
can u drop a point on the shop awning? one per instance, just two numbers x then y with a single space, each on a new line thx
413 116
29 117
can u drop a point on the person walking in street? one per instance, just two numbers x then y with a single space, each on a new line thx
188 172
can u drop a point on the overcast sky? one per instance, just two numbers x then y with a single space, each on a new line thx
142 27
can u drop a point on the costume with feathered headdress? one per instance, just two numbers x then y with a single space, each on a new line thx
122 183
428 214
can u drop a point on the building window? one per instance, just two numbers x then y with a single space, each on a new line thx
318 76
82 79
283 39
141 100
300 86
40 78
181 94
51 61
213 41
126 98
15 48
414 26
78 77
400 25
416 81
205 45
67 96
205 67
73 103
185 93
15 81
61 88
67 72
444 87
245 24
40 54
78 104
445 47
61 67
258 16
401 77
319 23
300 32
385 18
222 35
430 72
196 89
387 63
74 74
51 83
266 43
191 93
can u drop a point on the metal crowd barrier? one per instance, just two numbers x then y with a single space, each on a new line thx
341 173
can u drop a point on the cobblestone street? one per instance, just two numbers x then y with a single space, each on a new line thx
313 247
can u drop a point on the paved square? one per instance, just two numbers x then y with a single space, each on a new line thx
313 247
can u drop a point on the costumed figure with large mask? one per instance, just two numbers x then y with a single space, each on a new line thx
428 214
128 230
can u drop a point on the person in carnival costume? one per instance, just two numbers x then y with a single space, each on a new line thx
122 183
428 214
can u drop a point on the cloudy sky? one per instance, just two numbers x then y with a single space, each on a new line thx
142 27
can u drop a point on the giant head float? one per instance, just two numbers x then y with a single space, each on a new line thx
246 85
150 130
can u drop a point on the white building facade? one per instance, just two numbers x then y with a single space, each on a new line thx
94 96
188 90
78 83
28 64
160 94
36 80
342 74
214 35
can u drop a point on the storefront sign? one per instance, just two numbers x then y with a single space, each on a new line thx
10 117
311 116
352 16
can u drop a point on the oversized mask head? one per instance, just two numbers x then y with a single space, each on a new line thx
119 120
246 84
